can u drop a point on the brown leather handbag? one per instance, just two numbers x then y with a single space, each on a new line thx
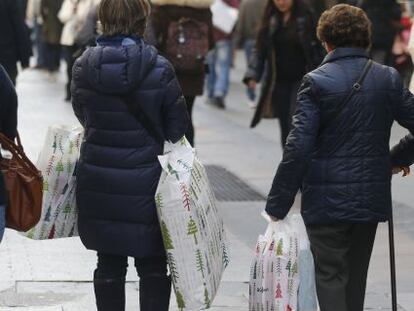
24 187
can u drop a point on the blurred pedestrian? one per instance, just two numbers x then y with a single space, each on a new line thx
318 6
191 22
338 155
401 58
34 17
15 43
220 60
72 15
52 31
8 126
129 101
286 49
250 15
87 34
385 16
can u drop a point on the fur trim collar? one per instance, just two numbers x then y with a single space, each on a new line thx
197 4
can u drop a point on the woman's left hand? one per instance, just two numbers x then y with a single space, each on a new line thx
406 171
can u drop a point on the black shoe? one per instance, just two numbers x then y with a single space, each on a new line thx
219 102
109 293
155 293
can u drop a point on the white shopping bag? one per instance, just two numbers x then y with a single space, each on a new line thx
274 275
57 162
192 228
307 299
224 16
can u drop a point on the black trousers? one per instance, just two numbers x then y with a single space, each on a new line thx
284 99
53 52
113 266
109 283
190 132
69 54
342 254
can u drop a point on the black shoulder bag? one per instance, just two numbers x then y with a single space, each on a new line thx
355 89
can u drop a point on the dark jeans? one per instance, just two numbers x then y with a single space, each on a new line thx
284 99
190 132
69 52
52 56
40 45
109 283
342 254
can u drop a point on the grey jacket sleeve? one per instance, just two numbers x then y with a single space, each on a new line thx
87 34
256 66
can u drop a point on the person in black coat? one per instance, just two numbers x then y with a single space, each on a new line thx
385 16
15 45
340 158
8 127
118 169
286 49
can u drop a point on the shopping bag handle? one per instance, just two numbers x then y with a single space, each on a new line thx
267 217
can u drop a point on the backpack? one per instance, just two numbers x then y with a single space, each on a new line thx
187 45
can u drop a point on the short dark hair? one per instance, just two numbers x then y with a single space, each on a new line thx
345 26
124 17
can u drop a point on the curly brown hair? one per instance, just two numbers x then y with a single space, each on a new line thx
345 26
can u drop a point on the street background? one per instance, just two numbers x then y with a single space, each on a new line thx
57 275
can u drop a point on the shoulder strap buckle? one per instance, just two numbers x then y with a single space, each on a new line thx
357 87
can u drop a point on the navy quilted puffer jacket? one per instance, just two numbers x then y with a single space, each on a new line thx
344 171
118 170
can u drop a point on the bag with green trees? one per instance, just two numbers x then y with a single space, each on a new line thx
191 226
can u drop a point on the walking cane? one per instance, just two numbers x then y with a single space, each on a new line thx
392 264
406 172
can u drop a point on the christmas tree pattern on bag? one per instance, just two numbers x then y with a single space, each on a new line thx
57 162
190 224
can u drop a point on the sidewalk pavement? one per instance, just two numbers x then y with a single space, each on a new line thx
56 275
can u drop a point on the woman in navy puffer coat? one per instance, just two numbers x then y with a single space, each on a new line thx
342 162
118 170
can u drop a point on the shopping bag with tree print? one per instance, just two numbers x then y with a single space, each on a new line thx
191 226
57 161
274 277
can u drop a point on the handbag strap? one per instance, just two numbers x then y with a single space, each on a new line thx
140 115
18 154
356 87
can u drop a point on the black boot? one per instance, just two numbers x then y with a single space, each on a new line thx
109 293
155 293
